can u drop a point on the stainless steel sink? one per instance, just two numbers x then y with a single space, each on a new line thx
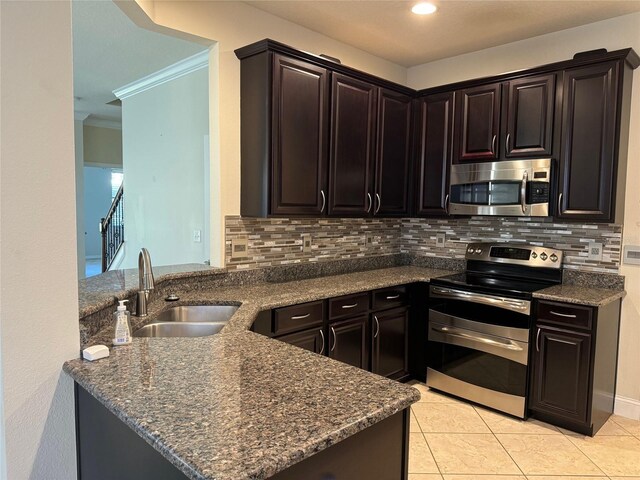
188 321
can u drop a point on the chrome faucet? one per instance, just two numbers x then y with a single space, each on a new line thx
146 282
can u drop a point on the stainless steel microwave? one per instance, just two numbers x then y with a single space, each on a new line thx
509 188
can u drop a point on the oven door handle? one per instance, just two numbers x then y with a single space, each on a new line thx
520 306
477 337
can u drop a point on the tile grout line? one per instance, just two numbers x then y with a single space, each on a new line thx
432 455
498 440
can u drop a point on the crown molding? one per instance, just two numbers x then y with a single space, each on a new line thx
177 70
103 123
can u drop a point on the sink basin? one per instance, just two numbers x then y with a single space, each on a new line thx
188 321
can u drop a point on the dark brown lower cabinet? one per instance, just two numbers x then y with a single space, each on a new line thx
389 343
348 341
574 364
561 381
312 340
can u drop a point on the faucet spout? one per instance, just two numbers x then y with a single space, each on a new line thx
146 282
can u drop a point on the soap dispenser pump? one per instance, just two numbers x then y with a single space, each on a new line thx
122 323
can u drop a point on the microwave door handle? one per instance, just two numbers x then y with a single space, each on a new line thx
523 192
509 345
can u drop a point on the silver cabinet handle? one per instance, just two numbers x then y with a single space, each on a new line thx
393 297
324 201
350 306
322 337
523 192
300 317
375 318
560 203
509 345
379 204
506 143
335 340
538 340
566 315
370 202
446 204
493 144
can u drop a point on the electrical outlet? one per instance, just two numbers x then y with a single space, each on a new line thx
239 246
441 238
595 251
197 236
306 242
368 239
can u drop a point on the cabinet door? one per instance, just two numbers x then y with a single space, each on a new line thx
560 380
529 117
587 156
389 354
353 112
393 154
300 138
477 124
435 134
348 341
312 340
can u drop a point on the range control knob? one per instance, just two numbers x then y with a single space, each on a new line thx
478 251
534 255
470 250
543 256
554 257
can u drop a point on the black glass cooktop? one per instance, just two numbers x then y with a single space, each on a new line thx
492 284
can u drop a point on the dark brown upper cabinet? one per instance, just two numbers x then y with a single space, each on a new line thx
284 143
393 154
351 160
528 112
477 124
591 143
435 133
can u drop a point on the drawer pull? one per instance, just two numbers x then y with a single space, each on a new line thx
300 317
350 306
393 297
566 315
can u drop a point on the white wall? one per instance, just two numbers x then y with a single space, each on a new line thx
78 131
163 131
38 294
102 146
613 34
97 201
233 25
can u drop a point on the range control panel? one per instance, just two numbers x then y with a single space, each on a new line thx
530 255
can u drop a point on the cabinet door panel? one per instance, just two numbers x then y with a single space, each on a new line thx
389 356
436 129
393 159
352 147
529 117
477 124
300 109
588 136
312 340
561 373
348 341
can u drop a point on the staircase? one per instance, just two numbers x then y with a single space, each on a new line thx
112 230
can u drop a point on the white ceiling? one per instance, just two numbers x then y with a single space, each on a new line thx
110 51
389 30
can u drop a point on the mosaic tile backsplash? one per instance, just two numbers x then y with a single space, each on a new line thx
278 241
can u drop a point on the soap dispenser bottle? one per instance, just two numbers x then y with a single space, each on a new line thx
122 323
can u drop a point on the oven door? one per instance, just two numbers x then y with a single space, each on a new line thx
482 361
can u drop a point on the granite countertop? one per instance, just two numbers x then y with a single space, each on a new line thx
239 405
595 297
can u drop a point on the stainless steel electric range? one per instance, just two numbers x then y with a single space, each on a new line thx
480 323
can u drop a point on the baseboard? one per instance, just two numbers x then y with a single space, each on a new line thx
627 407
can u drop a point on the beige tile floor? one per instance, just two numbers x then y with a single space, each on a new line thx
453 440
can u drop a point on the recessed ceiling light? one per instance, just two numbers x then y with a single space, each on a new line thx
424 8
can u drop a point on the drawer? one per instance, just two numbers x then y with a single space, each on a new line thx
348 305
390 297
565 314
298 317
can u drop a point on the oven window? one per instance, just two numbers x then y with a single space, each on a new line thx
478 368
486 193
